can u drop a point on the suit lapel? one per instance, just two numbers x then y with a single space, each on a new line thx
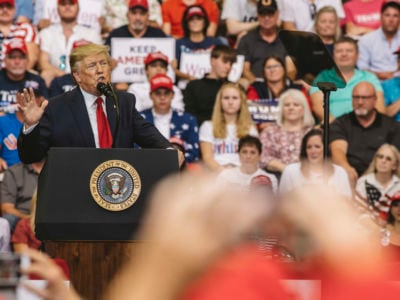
111 115
80 113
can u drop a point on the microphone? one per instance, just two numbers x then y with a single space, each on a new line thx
107 90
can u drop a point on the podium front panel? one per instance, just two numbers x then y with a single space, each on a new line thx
66 209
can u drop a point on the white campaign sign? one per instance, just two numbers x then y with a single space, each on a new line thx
130 53
198 64
89 12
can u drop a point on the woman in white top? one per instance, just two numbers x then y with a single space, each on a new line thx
313 170
230 121
381 181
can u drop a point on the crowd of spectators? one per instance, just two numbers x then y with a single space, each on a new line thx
266 122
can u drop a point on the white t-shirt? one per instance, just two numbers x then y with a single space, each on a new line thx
298 11
240 10
236 176
292 178
163 123
53 41
141 90
383 203
225 150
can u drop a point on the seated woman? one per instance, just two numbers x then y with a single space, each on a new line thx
23 236
281 141
267 92
327 26
230 121
313 170
194 23
380 181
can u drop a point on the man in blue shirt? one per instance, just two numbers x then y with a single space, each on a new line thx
377 47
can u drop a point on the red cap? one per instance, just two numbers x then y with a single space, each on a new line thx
80 42
155 56
261 180
194 11
16 44
11 2
161 81
139 3
73 1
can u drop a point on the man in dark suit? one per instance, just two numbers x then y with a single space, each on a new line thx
71 120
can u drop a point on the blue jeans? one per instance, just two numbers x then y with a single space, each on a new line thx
12 220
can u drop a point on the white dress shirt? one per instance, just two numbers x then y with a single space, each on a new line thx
91 106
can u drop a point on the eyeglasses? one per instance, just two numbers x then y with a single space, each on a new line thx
360 97
387 158
272 67
313 10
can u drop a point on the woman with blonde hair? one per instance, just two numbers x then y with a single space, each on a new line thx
24 236
327 26
230 121
281 141
381 181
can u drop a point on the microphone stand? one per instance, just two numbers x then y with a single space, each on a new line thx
107 90
114 96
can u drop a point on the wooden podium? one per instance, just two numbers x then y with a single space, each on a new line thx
93 239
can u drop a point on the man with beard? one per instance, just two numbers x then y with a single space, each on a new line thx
377 47
56 40
356 136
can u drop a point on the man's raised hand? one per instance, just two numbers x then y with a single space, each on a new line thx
31 107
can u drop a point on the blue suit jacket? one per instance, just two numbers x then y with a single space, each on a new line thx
65 123
183 126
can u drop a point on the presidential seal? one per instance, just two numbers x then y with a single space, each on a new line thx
115 185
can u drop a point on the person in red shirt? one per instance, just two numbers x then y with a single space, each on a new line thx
172 14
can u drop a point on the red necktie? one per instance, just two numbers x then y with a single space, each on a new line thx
103 128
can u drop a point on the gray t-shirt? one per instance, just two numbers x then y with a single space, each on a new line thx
19 183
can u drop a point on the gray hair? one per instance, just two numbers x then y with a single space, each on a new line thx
298 96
